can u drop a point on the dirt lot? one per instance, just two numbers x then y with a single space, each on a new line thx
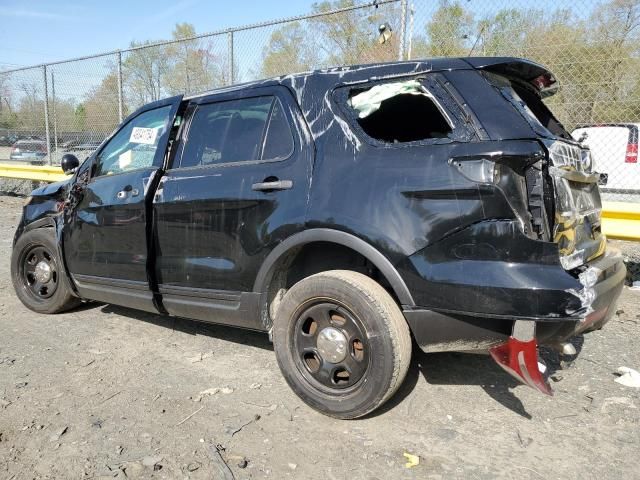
109 392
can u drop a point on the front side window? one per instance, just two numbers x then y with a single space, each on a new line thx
134 146
234 131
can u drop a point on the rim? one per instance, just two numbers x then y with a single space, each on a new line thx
39 272
330 346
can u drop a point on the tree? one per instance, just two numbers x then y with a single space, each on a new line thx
99 111
144 70
449 29
290 49
350 37
193 65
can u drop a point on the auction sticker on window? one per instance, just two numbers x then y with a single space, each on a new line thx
144 135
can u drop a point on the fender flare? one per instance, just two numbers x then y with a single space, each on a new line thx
365 249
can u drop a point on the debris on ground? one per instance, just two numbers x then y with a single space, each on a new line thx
188 417
201 356
233 431
628 377
55 436
219 462
152 461
412 460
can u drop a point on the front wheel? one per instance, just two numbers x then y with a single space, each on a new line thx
342 343
37 275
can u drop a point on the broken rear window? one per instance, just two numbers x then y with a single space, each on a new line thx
399 112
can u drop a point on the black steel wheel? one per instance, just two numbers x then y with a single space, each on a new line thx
342 343
331 346
37 274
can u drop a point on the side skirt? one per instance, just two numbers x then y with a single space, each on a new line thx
128 293
239 309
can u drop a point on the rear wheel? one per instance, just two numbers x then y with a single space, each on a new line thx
37 275
342 343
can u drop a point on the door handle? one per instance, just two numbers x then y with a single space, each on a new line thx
274 185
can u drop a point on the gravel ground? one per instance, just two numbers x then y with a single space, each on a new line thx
104 392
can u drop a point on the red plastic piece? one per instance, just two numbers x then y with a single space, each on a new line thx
520 360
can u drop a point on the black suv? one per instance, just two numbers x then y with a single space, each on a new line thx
345 212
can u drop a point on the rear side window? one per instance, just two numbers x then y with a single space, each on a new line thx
399 112
234 131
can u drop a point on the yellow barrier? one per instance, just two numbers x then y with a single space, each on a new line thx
32 172
620 220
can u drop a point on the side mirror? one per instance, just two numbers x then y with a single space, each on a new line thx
69 163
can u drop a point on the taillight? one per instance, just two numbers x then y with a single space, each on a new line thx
632 153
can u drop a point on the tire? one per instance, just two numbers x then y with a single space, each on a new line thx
37 273
342 343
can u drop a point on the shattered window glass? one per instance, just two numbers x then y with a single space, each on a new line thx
399 112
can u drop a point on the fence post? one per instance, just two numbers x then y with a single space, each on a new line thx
230 55
55 118
120 106
403 28
410 33
46 112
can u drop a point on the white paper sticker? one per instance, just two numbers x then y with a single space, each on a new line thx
144 135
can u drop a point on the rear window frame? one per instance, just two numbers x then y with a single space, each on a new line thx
436 85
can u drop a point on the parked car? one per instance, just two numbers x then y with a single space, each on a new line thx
28 150
77 146
614 147
343 212
8 140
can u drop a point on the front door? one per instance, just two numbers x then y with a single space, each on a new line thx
238 185
105 237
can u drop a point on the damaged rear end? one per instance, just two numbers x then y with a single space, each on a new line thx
545 276
565 208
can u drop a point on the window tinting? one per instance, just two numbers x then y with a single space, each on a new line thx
279 140
132 150
226 132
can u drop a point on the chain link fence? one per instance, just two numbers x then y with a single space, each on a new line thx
592 47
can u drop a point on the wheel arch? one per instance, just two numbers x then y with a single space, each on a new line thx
290 246
55 223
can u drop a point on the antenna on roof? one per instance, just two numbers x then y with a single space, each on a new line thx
477 39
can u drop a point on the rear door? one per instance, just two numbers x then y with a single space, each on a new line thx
238 185
105 233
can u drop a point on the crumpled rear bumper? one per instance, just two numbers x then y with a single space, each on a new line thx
596 290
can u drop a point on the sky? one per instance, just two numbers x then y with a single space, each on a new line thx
33 32
38 31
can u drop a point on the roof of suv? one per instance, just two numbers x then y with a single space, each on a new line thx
512 66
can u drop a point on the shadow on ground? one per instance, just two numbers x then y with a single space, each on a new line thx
448 368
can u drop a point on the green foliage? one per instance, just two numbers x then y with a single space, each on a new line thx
596 59
449 29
